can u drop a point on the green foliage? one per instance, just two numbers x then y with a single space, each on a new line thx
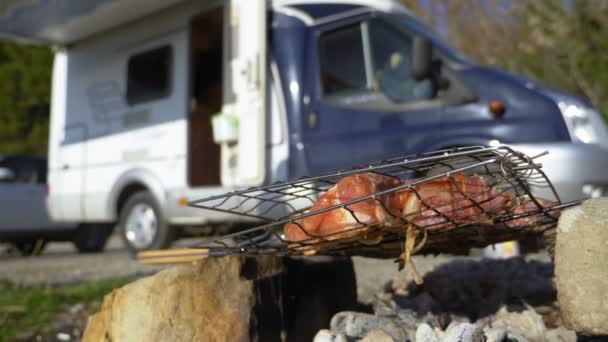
560 43
31 309
25 83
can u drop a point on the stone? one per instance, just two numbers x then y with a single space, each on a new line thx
357 325
63 337
229 299
526 323
515 337
495 334
75 309
377 336
210 300
410 320
561 334
464 332
325 335
425 333
383 305
581 267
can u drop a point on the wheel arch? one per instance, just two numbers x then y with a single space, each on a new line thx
131 182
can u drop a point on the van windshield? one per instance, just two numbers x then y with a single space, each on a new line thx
416 26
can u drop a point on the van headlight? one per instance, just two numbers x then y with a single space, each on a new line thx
585 124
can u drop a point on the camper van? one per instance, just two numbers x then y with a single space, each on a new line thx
156 103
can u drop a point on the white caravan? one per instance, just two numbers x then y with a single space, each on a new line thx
135 84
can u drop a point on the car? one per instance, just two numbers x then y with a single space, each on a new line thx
24 219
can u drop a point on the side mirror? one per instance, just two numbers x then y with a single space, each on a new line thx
422 58
6 174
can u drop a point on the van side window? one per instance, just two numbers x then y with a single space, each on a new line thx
342 61
148 75
392 55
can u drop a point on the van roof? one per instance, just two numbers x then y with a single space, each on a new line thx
61 22
315 11
381 5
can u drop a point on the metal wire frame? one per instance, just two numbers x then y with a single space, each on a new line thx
449 226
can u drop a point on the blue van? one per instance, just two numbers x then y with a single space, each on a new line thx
377 83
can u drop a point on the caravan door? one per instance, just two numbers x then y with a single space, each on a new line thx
243 163
67 143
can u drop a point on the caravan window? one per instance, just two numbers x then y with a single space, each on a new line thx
148 75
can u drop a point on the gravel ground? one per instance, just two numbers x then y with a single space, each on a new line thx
60 264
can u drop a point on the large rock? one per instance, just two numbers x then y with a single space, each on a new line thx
581 267
210 300
229 299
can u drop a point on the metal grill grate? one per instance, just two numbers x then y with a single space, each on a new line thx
447 201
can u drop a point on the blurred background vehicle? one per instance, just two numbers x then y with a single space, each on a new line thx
295 87
25 222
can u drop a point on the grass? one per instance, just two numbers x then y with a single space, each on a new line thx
33 308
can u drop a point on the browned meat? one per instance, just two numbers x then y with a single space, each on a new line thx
434 205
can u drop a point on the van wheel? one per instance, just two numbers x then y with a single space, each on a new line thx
142 224
92 238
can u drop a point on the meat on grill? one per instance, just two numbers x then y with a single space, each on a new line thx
340 219
434 205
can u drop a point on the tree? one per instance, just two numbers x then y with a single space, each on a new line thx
25 82
560 43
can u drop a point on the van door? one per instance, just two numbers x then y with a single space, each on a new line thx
244 164
366 105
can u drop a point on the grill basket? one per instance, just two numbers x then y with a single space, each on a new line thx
514 200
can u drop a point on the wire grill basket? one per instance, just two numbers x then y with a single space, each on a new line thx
445 201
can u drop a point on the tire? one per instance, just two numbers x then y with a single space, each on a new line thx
30 248
92 238
142 224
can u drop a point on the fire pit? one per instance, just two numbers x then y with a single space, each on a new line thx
441 202
502 299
